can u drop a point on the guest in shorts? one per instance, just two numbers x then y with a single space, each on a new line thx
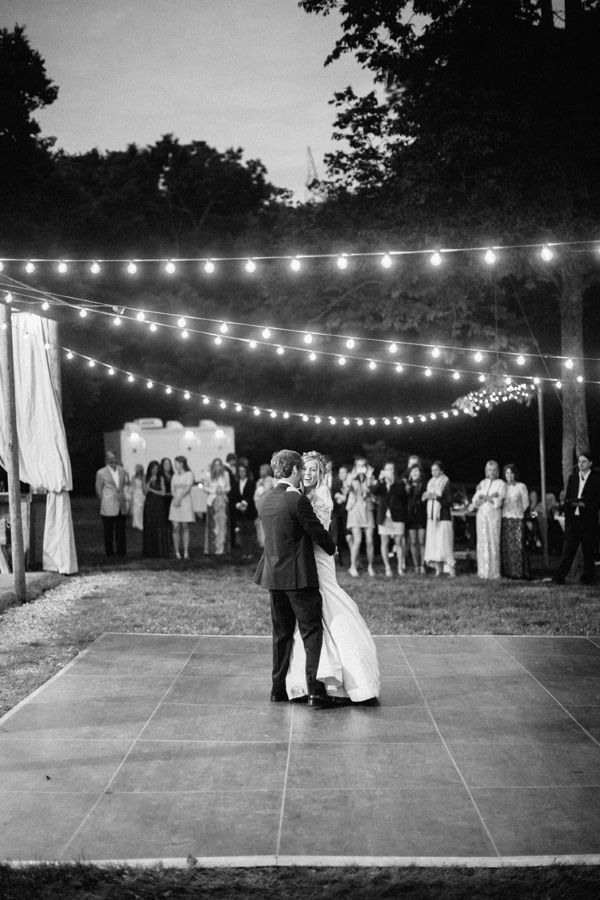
181 512
391 515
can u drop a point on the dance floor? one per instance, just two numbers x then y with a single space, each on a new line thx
484 750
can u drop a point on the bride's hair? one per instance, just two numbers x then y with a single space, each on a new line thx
315 456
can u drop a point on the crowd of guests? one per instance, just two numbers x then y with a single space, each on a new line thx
412 514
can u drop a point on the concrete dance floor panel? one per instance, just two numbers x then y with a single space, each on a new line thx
484 750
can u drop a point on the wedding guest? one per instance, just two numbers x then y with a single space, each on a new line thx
554 528
264 483
487 500
181 512
339 516
230 465
439 536
532 523
416 517
243 496
391 515
111 484
582 504
218 488
166 467
359 506
513 555
155 540
413 460
137 498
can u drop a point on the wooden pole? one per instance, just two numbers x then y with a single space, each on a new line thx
12 453
542 438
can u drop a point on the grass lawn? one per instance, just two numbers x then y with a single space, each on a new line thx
206 596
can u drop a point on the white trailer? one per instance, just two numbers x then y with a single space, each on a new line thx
146 439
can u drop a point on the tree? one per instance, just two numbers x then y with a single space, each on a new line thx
486 122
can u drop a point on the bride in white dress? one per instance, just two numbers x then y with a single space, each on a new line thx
348 665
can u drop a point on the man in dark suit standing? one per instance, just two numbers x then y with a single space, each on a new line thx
582 503
289 571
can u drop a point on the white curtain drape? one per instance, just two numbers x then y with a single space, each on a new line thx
43 455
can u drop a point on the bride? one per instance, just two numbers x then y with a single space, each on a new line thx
348 665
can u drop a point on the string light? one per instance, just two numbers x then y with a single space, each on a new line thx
83 313
399 369
152 326
95 268
350 343
436 259
111 371
218 341
520 360
569 363
181 323
308 338
8 297
131 268
386 261
141 316
546 253
130 378
266 333
280 351
342 262
29 267
45 306
250 266
478 357
456 375
224 328
295 264
489 257
62 268
209 267
341 360
252 345
372 365
428 373
393 348
170 267
185 335
435 352
312 356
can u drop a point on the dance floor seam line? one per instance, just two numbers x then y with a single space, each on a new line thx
453 760
555 699
121 764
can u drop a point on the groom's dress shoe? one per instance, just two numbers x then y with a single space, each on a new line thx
322 701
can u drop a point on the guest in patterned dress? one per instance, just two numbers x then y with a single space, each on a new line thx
487 500
439 537
216 536
515 562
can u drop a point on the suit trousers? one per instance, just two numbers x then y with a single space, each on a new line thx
114 535
579 531
304 606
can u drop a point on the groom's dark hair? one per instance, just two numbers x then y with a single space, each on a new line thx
284 461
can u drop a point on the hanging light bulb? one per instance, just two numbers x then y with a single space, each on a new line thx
359 421
280 351
520 360
185 334
266 333
45 306
131 268
308 338
393 348
569 363
218 341
346 421
304 417
436 259
372 365
256 411
149 385
386 261
141 315
312 356
546 253
205 401
559 385
238 408
91 363
250 266
69 354
9 297
170 267
350 344
435 352
456 375
399 369
428 373
295 264
386 422
224 328
186 395
432 416
252 345
62 268
153 326
223 405
29 267
490 257
209 267
372 422
536 381
317 420
342 261
181 323
579 379
273 414
168 390
83 313
95 268
482 378
111 371
332 420
478 356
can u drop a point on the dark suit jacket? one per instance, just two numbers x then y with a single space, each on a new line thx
393 498
248 495
290 526
590 496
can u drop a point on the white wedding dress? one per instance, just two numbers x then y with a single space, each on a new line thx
348 665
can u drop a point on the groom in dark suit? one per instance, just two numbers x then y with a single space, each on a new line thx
289 571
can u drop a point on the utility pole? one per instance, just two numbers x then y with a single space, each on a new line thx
12 452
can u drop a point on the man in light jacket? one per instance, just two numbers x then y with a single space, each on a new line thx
111 482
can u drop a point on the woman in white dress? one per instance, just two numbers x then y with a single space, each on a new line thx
439 536
487 500
181 511
348 666
137 498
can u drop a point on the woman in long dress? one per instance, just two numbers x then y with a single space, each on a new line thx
487 500
515 562
348 666
181 512
216 536
439 535
360 518
137 498
155 539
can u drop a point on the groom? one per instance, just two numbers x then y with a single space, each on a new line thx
288 569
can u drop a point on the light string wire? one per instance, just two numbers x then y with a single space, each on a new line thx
517 392
288 257
32 294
